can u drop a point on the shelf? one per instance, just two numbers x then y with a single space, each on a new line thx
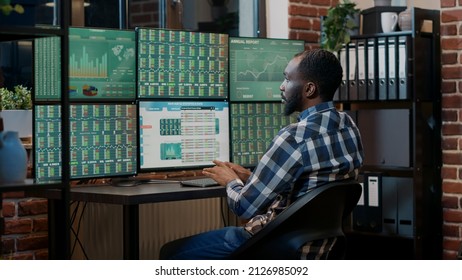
39 22
355 105
389 170
390 34
29 185
392 90
10 33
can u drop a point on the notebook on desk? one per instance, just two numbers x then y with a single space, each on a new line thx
199 182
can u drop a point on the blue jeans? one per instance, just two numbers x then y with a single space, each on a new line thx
211 245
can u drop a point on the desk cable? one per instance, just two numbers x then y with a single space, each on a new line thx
76 233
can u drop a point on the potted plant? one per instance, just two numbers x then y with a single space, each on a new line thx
15 110
337 26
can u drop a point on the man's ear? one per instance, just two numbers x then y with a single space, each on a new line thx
309 89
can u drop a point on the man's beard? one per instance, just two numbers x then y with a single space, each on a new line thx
292 105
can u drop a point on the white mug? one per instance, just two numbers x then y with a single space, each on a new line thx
389 21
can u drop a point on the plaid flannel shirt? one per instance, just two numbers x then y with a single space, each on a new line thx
323 146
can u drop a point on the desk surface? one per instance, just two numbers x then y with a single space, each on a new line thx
140 194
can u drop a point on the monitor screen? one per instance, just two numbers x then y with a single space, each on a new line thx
102 64
253 127
182 64
256 67
103 140
183 134
47 69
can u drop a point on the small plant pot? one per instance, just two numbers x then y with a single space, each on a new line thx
18 120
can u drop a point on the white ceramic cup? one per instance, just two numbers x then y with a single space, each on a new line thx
389 21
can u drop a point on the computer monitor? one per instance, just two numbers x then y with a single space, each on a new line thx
256 67
253 127
47 69
182 64
102 64
181 134
103 141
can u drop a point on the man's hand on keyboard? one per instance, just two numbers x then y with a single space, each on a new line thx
221 172
242 172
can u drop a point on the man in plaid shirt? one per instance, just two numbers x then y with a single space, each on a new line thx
323 146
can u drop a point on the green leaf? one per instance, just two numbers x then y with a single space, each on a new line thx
337 24
6 9
19 9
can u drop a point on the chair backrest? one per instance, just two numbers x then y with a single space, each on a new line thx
317 215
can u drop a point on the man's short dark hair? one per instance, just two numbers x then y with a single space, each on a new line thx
322 68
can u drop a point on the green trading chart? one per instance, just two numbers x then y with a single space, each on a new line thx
257 66
102 64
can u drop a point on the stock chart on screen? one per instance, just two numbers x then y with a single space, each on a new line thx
257 66
102 64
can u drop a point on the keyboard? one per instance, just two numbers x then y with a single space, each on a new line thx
199 182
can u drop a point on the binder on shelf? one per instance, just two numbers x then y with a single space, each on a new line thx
384 72
403 92
392 76
402 73
389 206
348 87
353 90
364 65
374 211
368 215
366 72
343 91
397 83
405 207
359 212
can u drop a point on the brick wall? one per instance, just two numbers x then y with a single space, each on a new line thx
451 43
26 227
304 20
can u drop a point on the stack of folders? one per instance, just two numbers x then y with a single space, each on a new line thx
386 206
368 78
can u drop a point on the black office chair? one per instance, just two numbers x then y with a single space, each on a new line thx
310 228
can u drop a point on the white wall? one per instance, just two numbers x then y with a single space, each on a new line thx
277 22
246 22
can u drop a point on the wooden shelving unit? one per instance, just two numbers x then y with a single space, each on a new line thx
59 236
388 73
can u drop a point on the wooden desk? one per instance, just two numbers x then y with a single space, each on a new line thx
130 198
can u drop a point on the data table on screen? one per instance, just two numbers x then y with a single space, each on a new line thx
182 64
102 138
